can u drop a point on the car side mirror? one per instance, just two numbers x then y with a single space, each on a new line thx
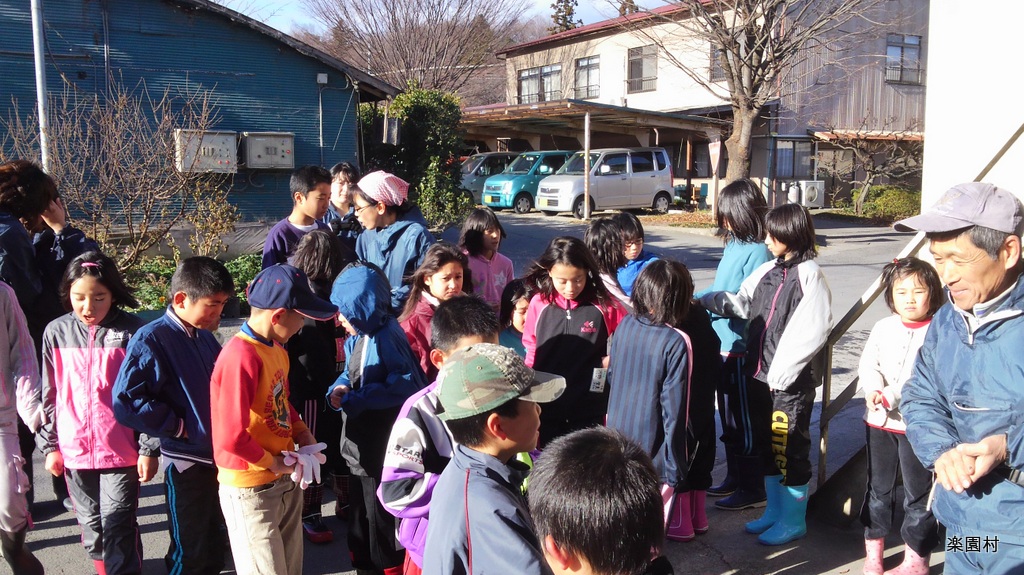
545 169
604 170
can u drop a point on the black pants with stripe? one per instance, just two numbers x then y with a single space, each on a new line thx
195 521
786 443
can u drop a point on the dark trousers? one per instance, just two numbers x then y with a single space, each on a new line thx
734 405
372 542
889 453
700 437
195 521
106 503
789 432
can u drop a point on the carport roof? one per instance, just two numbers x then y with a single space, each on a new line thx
566 118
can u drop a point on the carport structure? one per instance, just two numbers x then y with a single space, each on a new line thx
560 124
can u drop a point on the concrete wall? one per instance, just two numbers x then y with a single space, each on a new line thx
972 73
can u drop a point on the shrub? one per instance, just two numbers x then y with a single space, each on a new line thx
891 203
151 278
243 269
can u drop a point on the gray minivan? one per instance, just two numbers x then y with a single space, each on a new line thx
620 178
478 167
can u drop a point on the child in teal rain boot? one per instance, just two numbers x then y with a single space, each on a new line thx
788 303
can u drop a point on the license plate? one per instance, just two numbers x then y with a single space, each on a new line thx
493 199
543 202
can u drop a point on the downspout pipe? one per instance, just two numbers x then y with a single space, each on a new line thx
38 41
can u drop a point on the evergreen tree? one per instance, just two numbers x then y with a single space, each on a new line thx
564 16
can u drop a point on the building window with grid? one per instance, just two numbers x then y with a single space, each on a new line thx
642 69
794 160
541 84
588 77
903 59
715 71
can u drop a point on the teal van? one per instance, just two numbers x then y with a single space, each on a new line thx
516 187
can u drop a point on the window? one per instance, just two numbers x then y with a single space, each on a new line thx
794 160
903 59
613 164
642 161
642 69
541 84
588 77
715 72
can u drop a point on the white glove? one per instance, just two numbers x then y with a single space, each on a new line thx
296 461
313 458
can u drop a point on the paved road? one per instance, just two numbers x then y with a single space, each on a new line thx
850 256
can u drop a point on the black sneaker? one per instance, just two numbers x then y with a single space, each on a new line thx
742 499
315 530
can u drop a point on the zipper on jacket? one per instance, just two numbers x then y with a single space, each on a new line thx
92 393
768 322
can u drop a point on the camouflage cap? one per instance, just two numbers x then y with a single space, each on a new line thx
481 377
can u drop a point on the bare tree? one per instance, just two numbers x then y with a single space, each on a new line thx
758 43
433 44
873 155
114 159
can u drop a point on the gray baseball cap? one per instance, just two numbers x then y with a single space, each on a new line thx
968 205
481 377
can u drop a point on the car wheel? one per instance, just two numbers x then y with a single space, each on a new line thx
522 204
577 208
662 202
550 213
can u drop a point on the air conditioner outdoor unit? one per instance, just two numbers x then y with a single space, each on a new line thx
811 193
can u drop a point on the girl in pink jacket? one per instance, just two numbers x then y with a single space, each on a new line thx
99 458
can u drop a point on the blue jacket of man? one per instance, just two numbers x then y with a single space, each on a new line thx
398 250
965 387
481 498
163 387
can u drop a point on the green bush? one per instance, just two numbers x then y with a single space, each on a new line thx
243 269
151 278
891 203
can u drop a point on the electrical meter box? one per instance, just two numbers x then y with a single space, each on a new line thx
206 151
269 150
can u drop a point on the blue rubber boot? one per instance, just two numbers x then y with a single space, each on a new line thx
792 523
772 488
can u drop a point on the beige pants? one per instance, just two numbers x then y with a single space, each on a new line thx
265 527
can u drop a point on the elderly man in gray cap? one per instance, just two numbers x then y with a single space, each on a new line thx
964 404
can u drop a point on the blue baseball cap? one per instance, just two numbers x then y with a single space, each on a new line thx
285 286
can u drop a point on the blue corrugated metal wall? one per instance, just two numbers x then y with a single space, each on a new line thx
260 84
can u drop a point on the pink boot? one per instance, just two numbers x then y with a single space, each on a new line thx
913 564
680 520
874 548
697 512
101 569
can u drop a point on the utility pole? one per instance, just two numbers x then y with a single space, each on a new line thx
38 43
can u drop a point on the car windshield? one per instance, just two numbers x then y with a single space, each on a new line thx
575 163
471 163
523 164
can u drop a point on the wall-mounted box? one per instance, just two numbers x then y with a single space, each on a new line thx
206 151
269 150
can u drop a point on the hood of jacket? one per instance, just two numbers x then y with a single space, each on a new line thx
363 297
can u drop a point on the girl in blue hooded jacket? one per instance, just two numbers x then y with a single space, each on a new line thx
380 373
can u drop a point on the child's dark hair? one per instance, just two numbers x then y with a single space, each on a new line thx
604 239
514 291
662 293
631 228
25 189
439 255
568 251
741 209
306 178
321 256
346 169
99 266
596 493
479 221
791 224
470 431
460 317
901 269
200 277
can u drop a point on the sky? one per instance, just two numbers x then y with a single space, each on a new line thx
285 15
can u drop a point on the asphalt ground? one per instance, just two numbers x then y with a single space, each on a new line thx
851 257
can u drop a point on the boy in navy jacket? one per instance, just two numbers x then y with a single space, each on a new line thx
163 390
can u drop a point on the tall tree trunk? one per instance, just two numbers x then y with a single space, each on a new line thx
738 143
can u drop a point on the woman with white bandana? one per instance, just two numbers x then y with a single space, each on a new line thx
392 239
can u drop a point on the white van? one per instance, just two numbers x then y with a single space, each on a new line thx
620 178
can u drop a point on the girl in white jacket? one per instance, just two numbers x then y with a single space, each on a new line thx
914 293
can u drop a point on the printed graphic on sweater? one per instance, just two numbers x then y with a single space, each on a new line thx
277 407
